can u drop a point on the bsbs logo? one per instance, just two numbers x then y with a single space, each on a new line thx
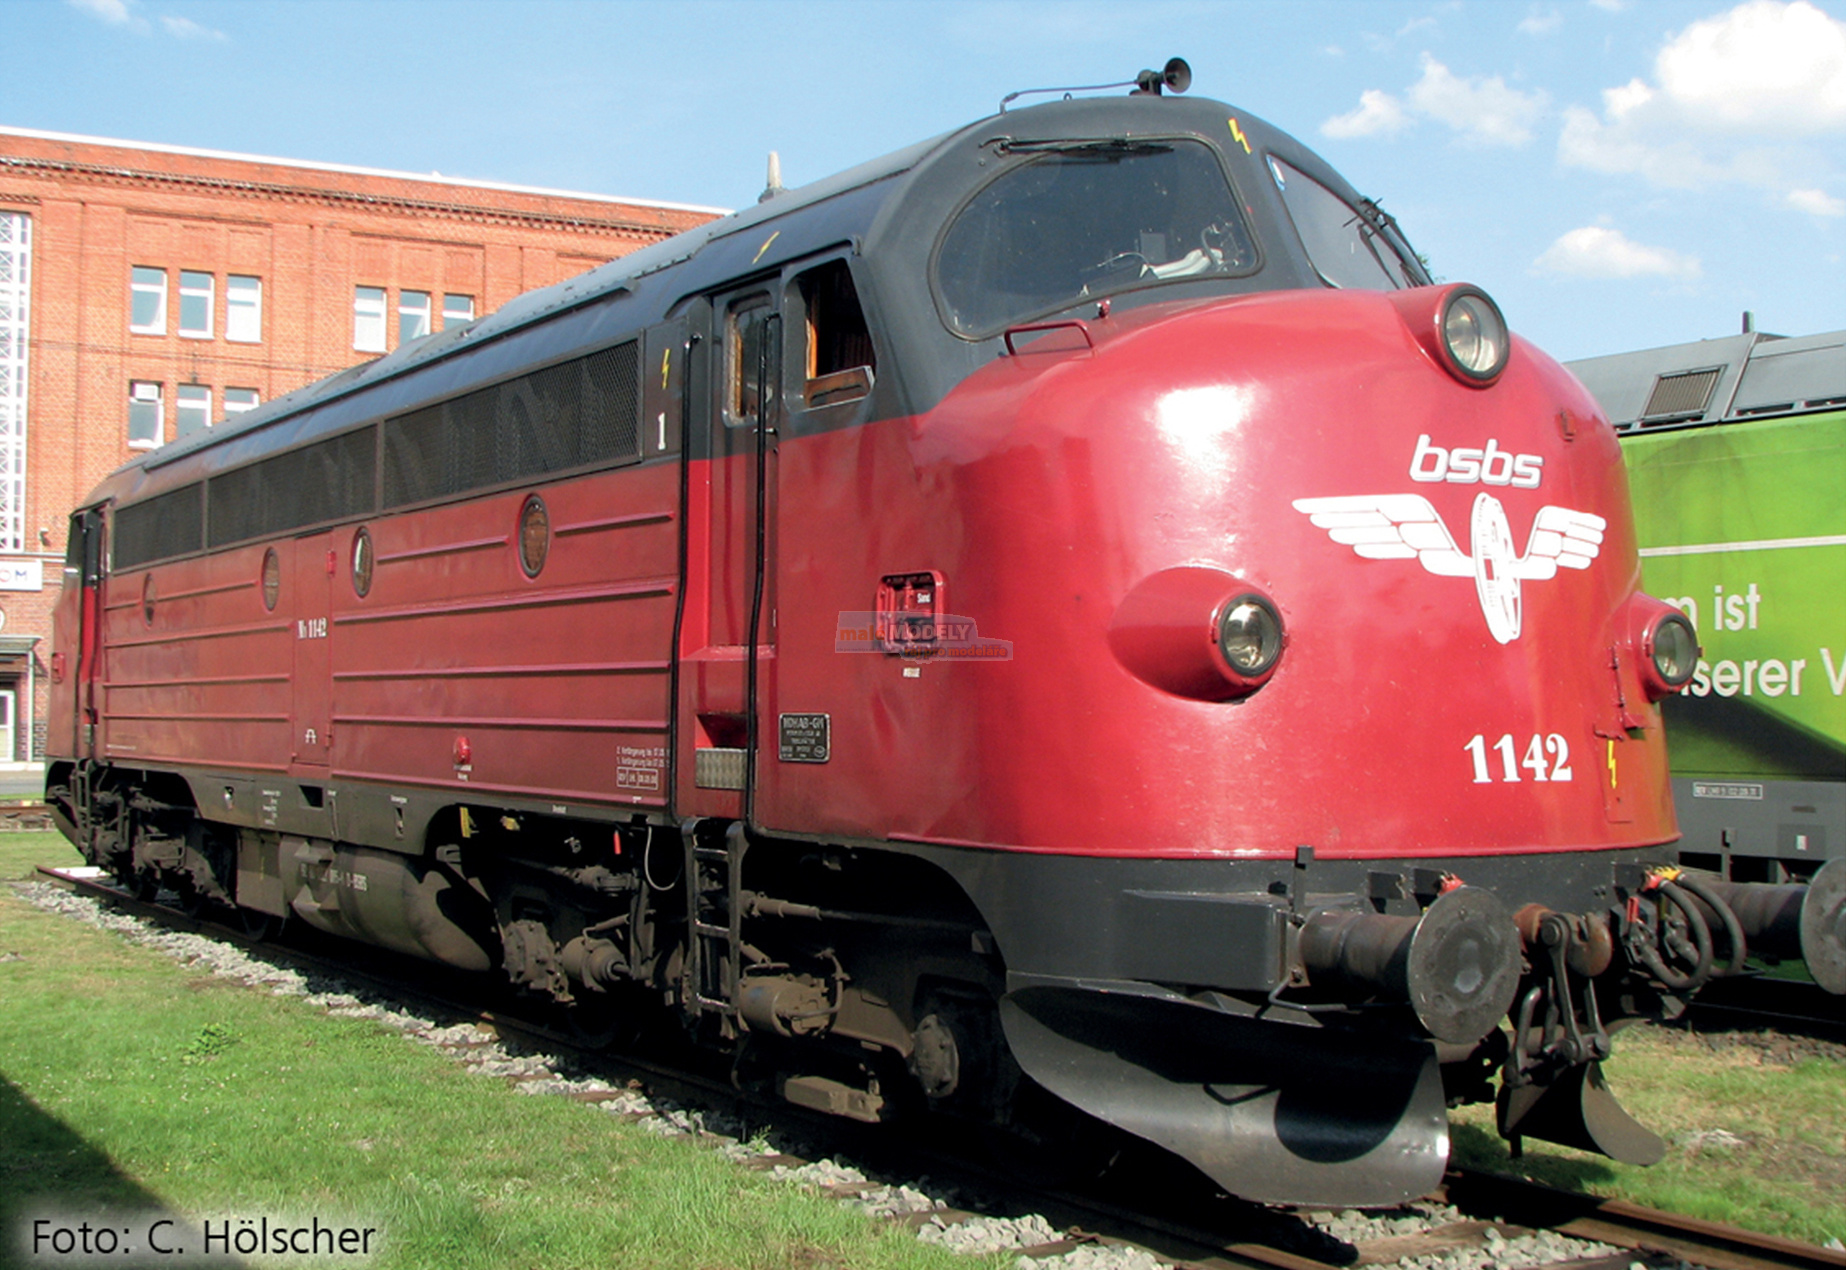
1465 465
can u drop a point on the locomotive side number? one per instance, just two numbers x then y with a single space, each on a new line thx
1546 757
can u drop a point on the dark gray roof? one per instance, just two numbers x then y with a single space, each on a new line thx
1710 381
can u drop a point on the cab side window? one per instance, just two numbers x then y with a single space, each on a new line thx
840 359
749 336
1345 246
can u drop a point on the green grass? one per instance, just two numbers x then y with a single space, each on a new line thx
1787 1177
127 1080
22 853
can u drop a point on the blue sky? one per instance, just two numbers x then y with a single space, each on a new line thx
1617 173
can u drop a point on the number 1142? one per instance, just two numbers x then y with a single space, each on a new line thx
1546 758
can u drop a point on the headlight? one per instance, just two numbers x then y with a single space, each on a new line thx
1665 646
1474 335
1199 632
1674 650
1250 635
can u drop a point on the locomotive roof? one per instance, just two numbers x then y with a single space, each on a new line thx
890 209
1752 375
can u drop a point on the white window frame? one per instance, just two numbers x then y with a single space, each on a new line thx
368 319
235 406
190 288
139 284
413 316
192 409
143 392
453 313
15 365
243 309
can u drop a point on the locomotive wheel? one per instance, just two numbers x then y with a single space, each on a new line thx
1048 1143
602 1022
259 926
143 884
190 899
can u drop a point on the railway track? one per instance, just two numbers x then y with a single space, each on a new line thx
1780 1005
1156 1205
25 816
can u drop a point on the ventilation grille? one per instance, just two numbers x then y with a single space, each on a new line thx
568 416
1682 395
172 524
330 480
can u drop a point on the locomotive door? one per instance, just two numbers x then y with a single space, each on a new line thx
78 617
726 673
310 711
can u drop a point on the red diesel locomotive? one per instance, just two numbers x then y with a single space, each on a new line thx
1064 616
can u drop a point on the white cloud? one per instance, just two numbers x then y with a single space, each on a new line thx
1378 112
1609 6
1536 23
1816 202
114 11
1483 110
1763 65
187 29
1736 98
1596 251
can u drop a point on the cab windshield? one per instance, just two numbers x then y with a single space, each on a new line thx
1085 219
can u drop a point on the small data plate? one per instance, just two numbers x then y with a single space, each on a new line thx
804 738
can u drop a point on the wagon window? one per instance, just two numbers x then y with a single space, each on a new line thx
1347 247
1083 219
840 360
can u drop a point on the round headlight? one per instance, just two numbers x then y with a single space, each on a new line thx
1250 635
1474 334
1675 649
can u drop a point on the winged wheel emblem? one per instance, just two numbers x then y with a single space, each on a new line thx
1406 527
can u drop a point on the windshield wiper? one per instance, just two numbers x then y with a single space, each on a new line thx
1098 147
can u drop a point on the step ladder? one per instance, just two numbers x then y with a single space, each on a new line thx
714 917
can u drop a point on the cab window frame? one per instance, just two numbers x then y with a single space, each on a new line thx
1027 153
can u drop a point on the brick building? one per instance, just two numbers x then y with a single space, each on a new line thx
147 291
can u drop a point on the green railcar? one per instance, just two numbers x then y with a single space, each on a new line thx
1736 453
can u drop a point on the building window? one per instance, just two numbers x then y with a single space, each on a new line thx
195 304
243 309
369 319
238 400
147 314
15 346
457 309
412 316
194 409
146 426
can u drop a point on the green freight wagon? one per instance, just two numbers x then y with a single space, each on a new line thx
1736 454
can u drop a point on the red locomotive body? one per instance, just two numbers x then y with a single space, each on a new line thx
1068 607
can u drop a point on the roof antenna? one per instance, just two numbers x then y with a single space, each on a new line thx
774 185
1176 75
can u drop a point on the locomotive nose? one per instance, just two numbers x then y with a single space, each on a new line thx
1457 965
